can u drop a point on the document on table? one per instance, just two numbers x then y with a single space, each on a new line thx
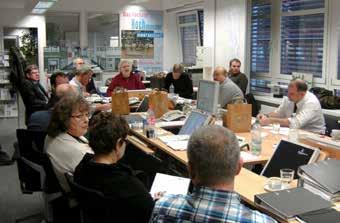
248 157
169 184
176 142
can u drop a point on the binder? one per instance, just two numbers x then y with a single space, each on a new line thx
289 203
325 174
328 215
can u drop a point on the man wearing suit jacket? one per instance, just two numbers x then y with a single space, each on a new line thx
33 94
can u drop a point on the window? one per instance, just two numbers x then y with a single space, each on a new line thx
260 36
302 37
287 36
191 34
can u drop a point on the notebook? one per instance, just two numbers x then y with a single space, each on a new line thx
289 155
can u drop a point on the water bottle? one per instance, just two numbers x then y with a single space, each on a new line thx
256 139
151 122
219 116
172 89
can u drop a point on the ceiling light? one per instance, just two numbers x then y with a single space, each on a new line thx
42 6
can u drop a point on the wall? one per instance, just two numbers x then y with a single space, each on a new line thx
224 31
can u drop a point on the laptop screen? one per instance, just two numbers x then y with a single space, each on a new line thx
289 155
144 105
193 122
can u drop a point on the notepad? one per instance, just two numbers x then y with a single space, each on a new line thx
169 184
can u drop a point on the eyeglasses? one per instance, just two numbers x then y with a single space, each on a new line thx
125 140
82 115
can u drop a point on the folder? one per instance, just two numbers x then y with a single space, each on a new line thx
289 203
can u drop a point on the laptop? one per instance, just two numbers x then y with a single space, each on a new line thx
195 120
289 155
144 105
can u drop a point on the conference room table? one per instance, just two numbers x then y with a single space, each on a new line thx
247 183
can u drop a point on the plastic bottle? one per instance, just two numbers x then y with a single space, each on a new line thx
171 89
256 139
219 116
151 122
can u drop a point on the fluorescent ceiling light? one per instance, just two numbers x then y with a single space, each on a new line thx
43 6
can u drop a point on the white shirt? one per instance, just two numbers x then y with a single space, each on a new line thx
308 116
65 153
81 88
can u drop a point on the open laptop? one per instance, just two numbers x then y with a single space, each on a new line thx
289 155
195 120
144 105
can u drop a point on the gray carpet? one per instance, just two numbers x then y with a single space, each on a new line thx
13 204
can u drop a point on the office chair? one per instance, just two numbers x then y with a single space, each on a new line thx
35 170
331 123
94 207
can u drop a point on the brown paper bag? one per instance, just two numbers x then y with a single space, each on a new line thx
158 101
120 102
238 117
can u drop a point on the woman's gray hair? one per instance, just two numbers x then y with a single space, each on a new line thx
83 69
124 62
213 154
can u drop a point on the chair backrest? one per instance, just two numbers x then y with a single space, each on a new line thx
256 107
31 147
93 204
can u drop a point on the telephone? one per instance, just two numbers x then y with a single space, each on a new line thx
173 115
133 100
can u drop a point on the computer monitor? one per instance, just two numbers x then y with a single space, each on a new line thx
195 120
289 155
207 96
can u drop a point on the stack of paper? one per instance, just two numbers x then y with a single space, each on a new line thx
176 142
169 184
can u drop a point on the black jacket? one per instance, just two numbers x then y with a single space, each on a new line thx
34 97
131 202
183 85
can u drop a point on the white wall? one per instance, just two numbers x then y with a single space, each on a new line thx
225 25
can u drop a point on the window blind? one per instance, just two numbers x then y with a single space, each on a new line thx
260 36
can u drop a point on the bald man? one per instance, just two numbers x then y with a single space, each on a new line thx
229 91
39 120
301 109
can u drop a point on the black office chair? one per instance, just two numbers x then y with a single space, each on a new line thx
94 206
331 123
35 170
256 107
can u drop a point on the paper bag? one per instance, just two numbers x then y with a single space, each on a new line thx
238 117
120 102
158 101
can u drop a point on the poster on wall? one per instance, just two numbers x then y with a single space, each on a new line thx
137 44
142 38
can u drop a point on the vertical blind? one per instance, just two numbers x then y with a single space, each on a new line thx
302 38
260 35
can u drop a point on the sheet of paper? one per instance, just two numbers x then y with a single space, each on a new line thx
247 157
169 184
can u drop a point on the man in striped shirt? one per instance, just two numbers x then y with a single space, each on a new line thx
214 160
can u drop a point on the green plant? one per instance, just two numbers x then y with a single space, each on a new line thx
29 47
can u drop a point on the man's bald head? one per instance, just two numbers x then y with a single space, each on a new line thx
65 89
220 74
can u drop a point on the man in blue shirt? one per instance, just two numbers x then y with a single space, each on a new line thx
214 161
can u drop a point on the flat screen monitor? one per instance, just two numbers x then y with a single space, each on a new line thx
195 120
207 96
289 155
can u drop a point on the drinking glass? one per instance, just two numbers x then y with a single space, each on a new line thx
287 175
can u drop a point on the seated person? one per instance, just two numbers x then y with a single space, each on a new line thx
300 110
81 80
240 79
40 120
125 79
65 144
90 87
103 171
83 75
181 82
213 162
229 91
56 79
33 94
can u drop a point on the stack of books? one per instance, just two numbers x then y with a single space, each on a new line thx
322 178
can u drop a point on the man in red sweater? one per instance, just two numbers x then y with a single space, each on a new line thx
125 79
